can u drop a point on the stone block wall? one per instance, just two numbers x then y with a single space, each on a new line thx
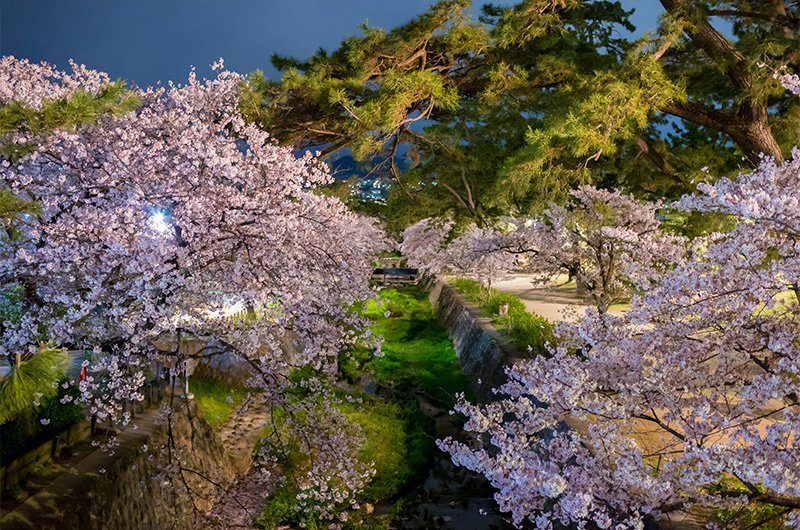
482 352
132 487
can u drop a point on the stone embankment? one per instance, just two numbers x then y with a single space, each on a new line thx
130 485
482 352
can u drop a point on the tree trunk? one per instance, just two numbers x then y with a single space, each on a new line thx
756 140
749 127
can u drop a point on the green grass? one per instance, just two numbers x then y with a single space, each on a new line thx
213 399
755 515
519 326
418 353
396 440
418 360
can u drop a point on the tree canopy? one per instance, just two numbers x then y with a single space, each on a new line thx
504 114
149 222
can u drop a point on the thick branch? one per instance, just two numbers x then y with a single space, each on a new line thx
753 134
650 152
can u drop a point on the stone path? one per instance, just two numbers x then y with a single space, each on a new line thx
45 508
240 434
246 496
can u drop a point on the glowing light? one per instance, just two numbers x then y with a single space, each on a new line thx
158 222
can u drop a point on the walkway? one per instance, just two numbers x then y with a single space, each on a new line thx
48 506
553 303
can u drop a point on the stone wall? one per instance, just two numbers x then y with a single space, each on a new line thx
482 352
19 468
129 487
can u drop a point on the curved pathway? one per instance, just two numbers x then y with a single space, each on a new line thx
555 303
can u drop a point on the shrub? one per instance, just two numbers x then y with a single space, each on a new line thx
515 305
28 430
528 331
36 377
472 290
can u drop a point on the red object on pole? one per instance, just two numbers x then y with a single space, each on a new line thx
83 373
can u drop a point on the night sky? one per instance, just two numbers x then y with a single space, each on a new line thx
143 41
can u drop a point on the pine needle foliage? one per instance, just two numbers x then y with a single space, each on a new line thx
502 115
34 379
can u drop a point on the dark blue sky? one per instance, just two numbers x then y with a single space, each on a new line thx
149 40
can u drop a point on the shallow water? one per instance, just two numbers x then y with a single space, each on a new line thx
454 498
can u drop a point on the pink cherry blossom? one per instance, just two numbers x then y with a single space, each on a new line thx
642 414
153 220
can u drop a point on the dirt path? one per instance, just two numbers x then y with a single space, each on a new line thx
555 303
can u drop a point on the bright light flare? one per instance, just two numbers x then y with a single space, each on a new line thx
158 222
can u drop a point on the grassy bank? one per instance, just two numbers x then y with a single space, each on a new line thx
217 400
418 360
520 327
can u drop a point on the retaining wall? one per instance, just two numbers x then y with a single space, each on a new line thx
17 469
482 352
130 487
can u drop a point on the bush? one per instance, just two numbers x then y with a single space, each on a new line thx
62 410
472 290
520 327
36 377
528 330
26 431
515 305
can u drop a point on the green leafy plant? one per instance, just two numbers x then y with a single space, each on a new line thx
33 379
528 331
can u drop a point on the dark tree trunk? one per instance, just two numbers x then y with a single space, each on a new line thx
749 127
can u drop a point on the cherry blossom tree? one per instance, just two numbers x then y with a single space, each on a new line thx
695 387
469 256
147 221
429 246
424 244
607 241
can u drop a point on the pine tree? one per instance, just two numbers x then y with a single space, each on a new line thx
506 114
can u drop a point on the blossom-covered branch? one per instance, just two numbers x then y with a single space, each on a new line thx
149 222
